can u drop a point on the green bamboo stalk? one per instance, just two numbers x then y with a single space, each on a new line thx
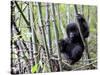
33 37
86 53
48 33
22 10
48 28
43 34
88 18
13 26
82 9
68 14
60 22
12 34
20 17
20 66
56 36
18 7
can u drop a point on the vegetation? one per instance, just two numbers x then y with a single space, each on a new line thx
36 29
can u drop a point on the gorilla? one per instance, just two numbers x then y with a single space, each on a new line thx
72 47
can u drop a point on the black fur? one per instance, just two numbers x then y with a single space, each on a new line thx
72 47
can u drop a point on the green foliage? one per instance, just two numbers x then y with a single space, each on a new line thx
34 68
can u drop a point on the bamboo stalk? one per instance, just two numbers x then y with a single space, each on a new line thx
22 10
48 28
43 35
19 17
60 22
33 37
48 33
68 14
82 10
88 18
22 13
86 53
56 36
12 34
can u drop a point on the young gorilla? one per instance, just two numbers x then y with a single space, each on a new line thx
72 47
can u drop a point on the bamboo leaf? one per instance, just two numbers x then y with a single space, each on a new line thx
34 68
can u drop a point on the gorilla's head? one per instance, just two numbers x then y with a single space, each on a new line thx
73 32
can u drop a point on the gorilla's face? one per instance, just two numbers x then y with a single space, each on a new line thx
73 32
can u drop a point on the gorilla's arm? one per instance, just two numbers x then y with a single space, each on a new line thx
83 25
